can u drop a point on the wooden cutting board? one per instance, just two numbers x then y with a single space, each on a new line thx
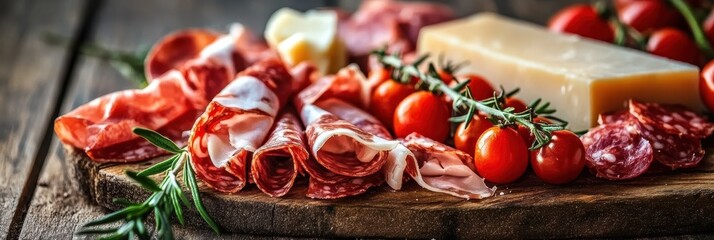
665 203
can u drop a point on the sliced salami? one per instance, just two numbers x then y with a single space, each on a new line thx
672 118
617 151
617 117
169 105
276 164
343 186
236 123
672 150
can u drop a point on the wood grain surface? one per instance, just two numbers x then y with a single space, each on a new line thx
664 203
31 75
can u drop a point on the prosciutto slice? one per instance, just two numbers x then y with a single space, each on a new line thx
277 163
169 105
347 160
236 123
442 169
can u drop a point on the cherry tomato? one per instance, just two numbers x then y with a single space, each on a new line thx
501 156
445 76
465 137
526 134
378 76
424 113
583 20
516 104
480 88
647 16
385 99
673 44
561 160
706 85
708 27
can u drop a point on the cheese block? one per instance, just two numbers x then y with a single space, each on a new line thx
310 36
579 77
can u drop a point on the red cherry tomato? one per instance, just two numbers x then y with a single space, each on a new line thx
385 99
445 76
501 156
526 134
708 27
646 16
706 85
424 113
480 88
465 137
673 44
561 160
516 104
583 20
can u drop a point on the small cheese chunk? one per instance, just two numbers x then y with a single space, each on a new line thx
310 36
579 77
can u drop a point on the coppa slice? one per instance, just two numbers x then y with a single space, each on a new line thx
236 122
617 151
276 164
673 119
169 105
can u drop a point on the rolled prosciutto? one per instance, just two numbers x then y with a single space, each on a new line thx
236 123
347 160
277 163
169 104
434 166
441 168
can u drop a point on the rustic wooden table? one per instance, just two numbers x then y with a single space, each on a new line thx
38 82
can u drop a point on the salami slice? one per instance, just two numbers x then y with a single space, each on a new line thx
617 151
236 123
276 164
672 150
673 119
343 186
617 117
169 105
444 169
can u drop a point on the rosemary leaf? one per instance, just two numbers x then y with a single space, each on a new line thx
157 139
144 181
159 167
113 217
188 170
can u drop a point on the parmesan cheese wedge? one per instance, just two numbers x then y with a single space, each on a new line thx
579 77
310 36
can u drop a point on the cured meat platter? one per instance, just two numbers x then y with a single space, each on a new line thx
370 124
654 204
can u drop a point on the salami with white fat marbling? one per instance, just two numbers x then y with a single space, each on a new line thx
617 151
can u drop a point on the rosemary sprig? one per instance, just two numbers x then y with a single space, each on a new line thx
464 102
129 64
167 198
